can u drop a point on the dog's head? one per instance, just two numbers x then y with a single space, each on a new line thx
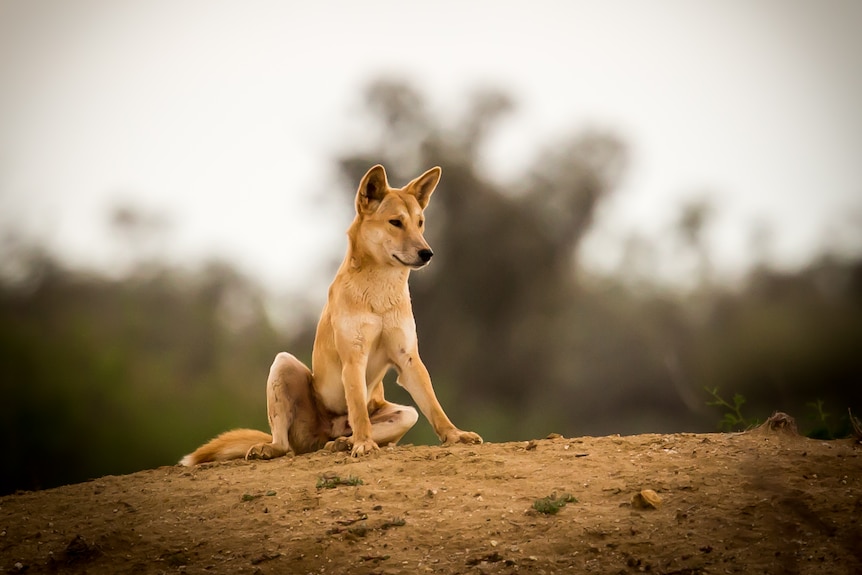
390 222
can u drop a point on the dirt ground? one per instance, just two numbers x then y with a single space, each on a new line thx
730 503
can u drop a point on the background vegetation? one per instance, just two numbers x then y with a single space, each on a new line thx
111 374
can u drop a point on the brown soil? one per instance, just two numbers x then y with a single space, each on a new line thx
730 503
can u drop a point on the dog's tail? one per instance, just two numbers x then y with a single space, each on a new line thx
229 445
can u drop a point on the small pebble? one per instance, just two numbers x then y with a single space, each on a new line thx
646 499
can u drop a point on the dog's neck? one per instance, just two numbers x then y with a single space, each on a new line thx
383 287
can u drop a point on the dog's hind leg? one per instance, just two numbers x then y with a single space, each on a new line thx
288 380
391 421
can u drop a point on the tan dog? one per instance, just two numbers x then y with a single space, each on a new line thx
366 328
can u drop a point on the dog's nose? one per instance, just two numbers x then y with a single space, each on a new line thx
425 255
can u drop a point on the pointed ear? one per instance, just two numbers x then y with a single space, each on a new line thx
372 188
423 186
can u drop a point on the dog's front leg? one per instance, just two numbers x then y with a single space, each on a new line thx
414 377
356 392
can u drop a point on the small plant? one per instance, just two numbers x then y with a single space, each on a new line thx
333 481
253 496
819 416
552 504
733 418
359 527
394 522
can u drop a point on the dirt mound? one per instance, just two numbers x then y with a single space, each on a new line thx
682 504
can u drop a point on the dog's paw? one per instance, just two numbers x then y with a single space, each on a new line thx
458 436
338 445
365 447
265 451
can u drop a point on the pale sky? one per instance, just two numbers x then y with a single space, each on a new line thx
225 116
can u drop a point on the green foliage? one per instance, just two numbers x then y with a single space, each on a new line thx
105 376
821 426
819 419
732 420
820 415
824 425
552 504
333 481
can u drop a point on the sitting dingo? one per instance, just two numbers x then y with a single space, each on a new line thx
366 328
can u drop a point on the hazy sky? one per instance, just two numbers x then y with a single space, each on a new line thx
225 115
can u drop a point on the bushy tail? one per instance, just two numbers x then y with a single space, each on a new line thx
229 445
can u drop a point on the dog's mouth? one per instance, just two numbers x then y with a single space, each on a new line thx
414 265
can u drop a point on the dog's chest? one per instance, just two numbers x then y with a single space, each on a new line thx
381 336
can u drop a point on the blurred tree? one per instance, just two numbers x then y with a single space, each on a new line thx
694 218
494 310
114 375
515 337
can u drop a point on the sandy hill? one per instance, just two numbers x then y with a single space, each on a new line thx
753 502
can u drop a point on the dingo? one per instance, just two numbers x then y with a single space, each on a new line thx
366 328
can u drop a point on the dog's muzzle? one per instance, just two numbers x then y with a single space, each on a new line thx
425 256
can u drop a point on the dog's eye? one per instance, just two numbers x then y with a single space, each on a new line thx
396 223
421 223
